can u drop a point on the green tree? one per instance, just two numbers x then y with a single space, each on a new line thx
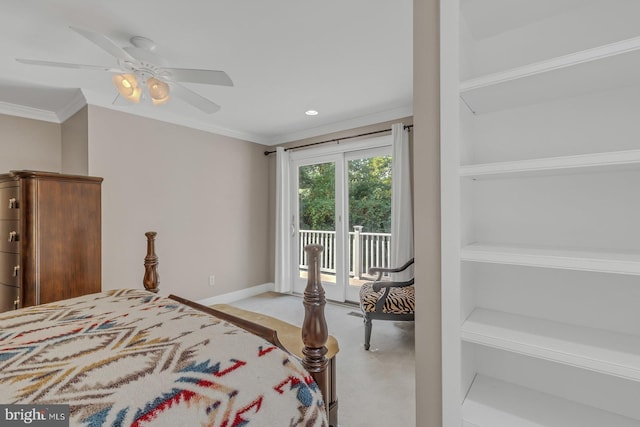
317 196
369 195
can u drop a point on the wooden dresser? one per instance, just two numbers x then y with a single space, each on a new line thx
50 237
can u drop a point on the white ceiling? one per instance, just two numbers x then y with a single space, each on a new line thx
350 60
487 18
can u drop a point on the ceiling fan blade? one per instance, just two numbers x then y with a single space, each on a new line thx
67 65
194 99
121 101
105 43
189 75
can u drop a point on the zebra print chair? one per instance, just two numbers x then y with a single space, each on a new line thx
386 300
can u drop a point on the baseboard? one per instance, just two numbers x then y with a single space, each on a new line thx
238 295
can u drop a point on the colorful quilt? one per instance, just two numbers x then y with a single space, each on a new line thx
133 358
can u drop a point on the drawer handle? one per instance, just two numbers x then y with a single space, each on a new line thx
13 203
13 236
16 268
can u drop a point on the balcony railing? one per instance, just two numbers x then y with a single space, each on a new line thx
366 250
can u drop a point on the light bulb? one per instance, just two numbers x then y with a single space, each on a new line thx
158 90
127 85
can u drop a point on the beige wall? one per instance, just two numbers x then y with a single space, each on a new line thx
426 134
206 195
75 155
29 144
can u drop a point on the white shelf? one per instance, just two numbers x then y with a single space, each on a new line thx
568 259
494 403
596 162
601 68
597 350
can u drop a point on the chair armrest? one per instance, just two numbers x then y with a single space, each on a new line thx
377 286
381 270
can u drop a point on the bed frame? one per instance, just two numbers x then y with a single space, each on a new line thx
314 327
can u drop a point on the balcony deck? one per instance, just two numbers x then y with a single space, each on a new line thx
331 278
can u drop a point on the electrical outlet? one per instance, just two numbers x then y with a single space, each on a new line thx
212 280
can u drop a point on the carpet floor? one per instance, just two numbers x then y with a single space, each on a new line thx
375 387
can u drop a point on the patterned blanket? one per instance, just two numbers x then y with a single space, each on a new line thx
133 358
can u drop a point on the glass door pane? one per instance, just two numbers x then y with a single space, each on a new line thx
369 212
318 215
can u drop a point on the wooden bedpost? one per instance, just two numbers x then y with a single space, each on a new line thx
151 279
315 332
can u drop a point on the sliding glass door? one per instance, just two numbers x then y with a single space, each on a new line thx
341 201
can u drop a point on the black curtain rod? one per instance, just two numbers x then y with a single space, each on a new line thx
266 153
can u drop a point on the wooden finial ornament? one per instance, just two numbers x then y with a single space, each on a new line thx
151 279
314 328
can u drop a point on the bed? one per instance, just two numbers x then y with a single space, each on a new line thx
131 357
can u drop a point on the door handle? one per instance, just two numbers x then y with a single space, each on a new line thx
13 236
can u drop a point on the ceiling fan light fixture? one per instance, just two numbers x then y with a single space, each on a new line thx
127 85
158 91
142 74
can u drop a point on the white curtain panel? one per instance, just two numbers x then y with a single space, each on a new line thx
401 203
283 226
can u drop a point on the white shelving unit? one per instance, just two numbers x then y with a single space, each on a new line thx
604 262
588 348
584 163
530 408
547 142
603 67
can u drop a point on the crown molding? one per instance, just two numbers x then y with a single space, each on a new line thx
60 116
356 122
79 101
28 112
76 104
191 124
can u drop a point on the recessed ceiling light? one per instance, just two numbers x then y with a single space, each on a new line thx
311 113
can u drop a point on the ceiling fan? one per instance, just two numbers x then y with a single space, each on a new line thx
142 74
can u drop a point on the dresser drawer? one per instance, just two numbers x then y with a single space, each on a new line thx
9 236
10 269
9 295
9 203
